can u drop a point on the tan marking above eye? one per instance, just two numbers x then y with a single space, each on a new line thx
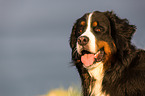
83 23
95 24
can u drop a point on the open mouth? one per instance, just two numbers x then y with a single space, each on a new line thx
89 59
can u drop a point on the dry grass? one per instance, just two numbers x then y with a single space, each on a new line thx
71 91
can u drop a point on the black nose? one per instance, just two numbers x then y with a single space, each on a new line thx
83 40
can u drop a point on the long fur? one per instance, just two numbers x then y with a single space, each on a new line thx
126 74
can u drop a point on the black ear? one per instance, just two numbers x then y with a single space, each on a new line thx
120 27
73 37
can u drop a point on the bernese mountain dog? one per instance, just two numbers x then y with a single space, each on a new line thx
107 62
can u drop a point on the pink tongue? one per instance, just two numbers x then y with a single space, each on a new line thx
88 59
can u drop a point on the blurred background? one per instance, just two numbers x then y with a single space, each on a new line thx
34 41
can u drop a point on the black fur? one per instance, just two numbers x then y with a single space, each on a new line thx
126 74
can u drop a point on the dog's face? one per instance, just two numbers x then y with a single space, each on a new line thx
91 39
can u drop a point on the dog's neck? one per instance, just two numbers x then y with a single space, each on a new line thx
97 73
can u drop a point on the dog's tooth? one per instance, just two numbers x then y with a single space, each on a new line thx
97 53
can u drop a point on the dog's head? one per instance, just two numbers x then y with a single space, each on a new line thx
97 36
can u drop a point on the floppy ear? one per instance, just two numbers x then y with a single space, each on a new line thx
73 37
120 27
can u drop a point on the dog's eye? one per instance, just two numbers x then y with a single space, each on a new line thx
81 31
99 29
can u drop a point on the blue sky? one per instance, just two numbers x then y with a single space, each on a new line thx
34 38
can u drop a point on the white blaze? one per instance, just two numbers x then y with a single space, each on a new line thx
97 72
91 44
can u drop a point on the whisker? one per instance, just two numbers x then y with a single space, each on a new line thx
75 50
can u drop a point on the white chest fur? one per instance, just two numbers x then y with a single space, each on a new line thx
97 73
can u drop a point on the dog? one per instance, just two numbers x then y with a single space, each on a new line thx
107 62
